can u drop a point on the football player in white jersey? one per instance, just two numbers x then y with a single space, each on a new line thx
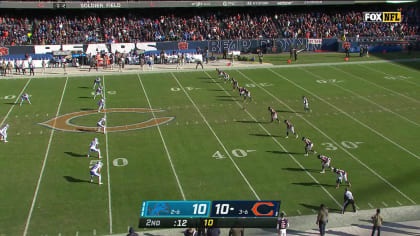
3 133
99 91
24 97
95 170
101 124
101 104
308 146
97 82
305 104
93 147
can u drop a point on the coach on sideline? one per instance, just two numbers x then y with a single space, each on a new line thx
348 199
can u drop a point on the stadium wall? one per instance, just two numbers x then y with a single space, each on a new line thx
245 46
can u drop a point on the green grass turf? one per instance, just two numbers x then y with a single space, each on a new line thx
350 103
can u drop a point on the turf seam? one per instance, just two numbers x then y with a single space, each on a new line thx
350 154
28 220
218 139
164 143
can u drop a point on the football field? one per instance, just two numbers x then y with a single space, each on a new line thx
186 136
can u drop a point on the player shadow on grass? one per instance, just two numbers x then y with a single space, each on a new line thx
227 100
313 184
316 208
285 111
84 87
263 135
300 169
86 109
75 154
217 90
75 180
281 152
84 97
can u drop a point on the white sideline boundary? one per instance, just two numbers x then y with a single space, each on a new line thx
348 115
164 143
220 142
333 141
282 147
17 99
376 85
366 99
245 67
107 163
28 220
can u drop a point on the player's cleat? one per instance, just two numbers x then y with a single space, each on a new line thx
322 172
88 156
100 183
297 136
314 152
306 154
286 137
6 141
91 181
100 157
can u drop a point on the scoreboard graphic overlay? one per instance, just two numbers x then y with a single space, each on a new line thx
203 214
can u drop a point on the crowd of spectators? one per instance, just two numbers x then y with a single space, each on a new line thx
208 25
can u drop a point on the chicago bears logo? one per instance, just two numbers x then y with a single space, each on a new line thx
63 122
182 45
4 51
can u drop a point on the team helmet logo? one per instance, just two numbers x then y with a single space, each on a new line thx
63 122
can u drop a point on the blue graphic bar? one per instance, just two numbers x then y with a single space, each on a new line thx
175 209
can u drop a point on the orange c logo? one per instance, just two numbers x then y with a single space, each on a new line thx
258 204
62 122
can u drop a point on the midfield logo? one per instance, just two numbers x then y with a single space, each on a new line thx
382 16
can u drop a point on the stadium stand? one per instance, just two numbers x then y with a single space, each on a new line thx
138 26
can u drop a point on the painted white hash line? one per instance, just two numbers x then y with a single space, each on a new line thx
333 141
346 114
376 85
379 71
17 99
364 98
215 135
281 146
164 143
28 220
107 162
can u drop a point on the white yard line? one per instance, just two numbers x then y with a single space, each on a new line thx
218 139
376 85
281 146
17 99
348 115
364 98
28 220
332 140
379 71
164 143
107 163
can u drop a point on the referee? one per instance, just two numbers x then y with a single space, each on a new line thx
348 199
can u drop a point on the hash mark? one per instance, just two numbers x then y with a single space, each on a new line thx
370 205
386 205
300 213
313 211
399 203
251 150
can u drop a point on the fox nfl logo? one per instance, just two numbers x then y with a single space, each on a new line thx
382 16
